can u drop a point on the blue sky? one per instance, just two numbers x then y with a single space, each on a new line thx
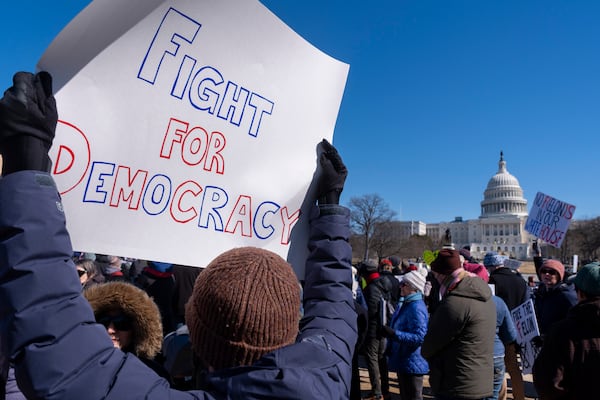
436 90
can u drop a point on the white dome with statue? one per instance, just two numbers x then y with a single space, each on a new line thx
503 195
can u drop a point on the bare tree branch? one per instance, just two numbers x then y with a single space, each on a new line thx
366 212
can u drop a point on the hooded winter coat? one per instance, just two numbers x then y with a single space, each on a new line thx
567 366
459 344
64 354
137 305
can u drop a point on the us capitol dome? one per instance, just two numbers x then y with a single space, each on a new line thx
503 194
501 224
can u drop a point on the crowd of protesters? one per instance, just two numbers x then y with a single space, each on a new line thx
85 325
451 340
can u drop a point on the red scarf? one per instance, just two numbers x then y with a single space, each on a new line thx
371 277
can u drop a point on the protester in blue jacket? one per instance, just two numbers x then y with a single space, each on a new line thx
58 350
406 334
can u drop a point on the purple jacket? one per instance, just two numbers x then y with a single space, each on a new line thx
61 353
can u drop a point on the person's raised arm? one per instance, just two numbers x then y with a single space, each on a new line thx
328 304
47 328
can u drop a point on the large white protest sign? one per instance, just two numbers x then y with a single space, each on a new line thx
188 128
527 328
549 219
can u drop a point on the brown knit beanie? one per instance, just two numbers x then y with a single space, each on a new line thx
245 304
447 261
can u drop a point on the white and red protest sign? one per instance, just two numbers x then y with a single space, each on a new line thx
187 127
549 219
527 328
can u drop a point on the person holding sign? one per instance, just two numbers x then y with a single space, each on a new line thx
568 364
255 347
554 298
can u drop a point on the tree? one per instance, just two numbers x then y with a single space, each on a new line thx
385 240
414 246
366 212
583 238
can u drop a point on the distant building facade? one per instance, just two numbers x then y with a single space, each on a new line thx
500 226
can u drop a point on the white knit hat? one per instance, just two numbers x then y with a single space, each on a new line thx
415 279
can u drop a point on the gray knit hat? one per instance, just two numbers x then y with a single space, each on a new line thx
245 304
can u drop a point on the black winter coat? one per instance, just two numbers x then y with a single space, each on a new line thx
373 292
510 287
552 305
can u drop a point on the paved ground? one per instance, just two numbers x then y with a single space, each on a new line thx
427 395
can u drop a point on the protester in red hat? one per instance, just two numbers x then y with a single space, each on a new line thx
459 344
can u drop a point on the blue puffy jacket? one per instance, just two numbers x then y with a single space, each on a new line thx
409 323
61 353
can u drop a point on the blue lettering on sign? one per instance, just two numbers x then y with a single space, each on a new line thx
121 186
206 88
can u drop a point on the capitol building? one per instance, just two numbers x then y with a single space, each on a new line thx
500 226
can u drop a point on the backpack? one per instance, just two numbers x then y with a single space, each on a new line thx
386 305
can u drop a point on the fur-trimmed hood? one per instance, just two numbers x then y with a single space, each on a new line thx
135 303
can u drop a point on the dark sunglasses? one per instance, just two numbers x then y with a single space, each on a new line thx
80 272
120 322
548 271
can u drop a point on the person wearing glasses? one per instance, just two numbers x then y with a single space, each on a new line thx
554 297
131 319
89 273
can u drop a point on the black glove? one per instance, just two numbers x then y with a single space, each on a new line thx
387 332
28 119
333 175
536 249
538 341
